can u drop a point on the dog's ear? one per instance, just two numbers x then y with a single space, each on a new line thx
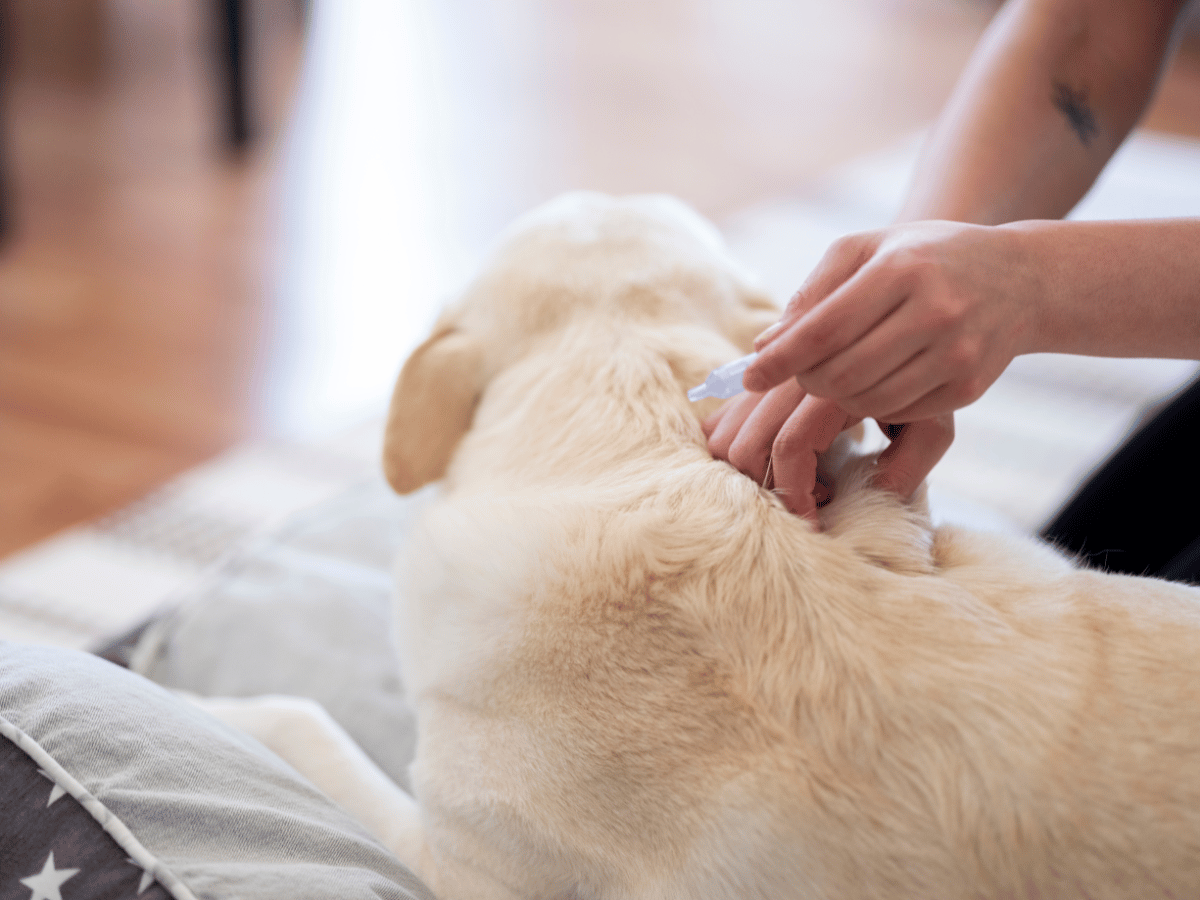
432 407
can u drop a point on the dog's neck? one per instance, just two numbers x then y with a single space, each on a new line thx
602 410
594 401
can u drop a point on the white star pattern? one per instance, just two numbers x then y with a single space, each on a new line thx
45 884
147 878
56 791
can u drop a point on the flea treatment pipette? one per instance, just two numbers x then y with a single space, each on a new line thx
724 381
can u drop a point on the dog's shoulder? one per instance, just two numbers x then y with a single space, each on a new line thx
893 534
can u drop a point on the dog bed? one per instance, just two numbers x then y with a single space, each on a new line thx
111 786
303 610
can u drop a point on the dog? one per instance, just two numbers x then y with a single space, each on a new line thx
637 675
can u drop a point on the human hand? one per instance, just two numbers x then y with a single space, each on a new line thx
904 324
774 438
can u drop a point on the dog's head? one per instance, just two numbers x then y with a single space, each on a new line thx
648 259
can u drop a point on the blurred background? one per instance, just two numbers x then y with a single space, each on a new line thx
226 222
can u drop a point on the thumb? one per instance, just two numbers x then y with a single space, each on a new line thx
915 449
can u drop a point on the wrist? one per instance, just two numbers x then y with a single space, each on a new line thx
1115 288
1035 279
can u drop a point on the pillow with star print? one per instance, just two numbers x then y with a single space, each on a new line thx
38 824
113 788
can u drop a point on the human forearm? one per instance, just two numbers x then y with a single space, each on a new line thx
1113 288
910 323
918 320
1050 93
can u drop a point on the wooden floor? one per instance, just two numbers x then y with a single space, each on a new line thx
134 288
130 284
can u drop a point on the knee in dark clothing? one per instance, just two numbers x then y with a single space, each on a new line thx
1139 513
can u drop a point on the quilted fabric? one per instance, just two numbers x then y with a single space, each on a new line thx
204 810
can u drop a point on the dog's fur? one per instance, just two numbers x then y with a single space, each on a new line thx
638 676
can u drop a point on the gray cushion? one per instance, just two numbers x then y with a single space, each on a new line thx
208 811
304 610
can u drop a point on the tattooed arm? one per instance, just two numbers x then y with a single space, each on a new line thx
1050 93
910 323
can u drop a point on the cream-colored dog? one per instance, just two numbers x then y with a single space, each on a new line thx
638 676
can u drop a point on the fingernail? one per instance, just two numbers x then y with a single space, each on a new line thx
765 338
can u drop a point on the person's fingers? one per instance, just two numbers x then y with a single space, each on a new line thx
836 323
942 400
809 430
907 396
874 361
750 451
842 259
710 422
919 379
914 451
723 425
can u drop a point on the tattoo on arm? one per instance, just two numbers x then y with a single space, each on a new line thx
1073 104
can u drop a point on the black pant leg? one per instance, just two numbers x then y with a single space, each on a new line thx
1185 566
1141 509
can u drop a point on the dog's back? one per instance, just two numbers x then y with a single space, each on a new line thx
638 676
